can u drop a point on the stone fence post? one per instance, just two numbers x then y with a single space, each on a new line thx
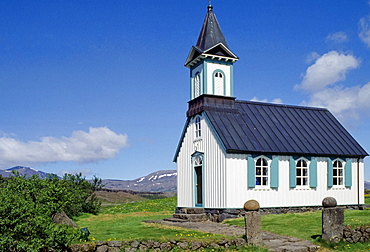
252 219
332 220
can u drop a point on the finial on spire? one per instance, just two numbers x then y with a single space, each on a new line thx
210 7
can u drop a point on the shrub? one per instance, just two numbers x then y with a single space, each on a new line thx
27 206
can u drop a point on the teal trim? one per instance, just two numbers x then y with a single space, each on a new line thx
274 173
195 191
313 173
348 173
251 173
231 80
221 62
213 81
205 82
330 172
181 140
214 132
191 85
292 173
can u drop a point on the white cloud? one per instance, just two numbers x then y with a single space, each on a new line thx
321 78
93 146
337 37
312 57
364 28
344 102
327 70
277 100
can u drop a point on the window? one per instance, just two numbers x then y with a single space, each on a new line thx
197 89
198 132
219 83
262 172
301 173
337 173
198 160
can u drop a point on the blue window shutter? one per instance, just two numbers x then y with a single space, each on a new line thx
251 173
274 173
292 173
313 173
348 173
330 172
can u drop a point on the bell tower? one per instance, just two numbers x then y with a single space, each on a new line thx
211 61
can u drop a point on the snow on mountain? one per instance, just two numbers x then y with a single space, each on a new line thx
160 181
23 171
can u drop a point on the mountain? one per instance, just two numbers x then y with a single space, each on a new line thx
367 184
160 181
23 171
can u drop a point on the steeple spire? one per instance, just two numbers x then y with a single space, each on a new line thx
211 61
210 34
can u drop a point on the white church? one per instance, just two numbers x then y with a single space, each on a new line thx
231 151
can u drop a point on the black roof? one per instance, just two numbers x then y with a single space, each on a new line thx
211 40
210 34
265 128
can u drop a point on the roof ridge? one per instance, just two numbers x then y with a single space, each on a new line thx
281 105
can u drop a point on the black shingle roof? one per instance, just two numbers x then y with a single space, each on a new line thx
210 34
256 127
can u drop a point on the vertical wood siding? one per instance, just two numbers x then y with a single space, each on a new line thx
225 178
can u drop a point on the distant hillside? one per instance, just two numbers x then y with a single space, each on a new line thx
160 181
23 171
367 184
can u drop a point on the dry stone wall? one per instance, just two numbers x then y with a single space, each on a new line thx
150 245
359 234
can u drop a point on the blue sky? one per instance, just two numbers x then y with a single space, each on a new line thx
99 87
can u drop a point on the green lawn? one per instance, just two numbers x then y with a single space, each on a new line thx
124 222
308 225
367 199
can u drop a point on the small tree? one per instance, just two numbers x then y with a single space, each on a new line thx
27 206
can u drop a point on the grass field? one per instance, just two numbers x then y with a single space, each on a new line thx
308 226
124 222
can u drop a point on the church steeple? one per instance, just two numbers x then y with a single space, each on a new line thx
211 33
211 61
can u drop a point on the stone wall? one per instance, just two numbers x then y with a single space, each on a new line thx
359 234
150 245
219 215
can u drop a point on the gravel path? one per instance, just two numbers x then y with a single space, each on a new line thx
274 242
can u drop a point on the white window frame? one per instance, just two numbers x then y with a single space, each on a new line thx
300 176
197 85
198 127
338 173
219 81
263 173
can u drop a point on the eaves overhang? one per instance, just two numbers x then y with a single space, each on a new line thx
193 59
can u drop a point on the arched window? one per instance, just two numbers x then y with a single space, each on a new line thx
262 172
197 86
337 173
198 130
301 173
219 83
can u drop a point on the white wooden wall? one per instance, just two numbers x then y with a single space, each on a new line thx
225 178
284 196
